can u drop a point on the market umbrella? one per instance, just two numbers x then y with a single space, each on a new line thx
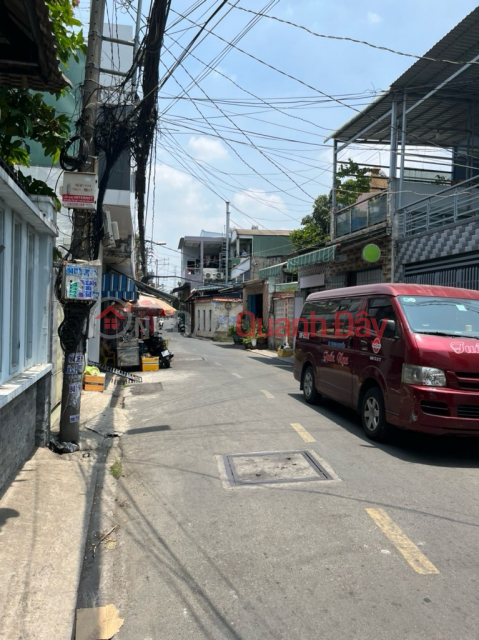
151 306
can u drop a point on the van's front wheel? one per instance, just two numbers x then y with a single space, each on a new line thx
310 392
373 415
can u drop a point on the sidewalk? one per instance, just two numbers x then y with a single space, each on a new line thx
44 522
269 353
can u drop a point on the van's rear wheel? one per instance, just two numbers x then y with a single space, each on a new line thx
310 392
373 415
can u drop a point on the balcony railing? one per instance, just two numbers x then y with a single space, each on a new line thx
444 207
367 213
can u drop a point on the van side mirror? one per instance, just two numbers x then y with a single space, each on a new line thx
391 329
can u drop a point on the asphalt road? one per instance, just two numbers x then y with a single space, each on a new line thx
386 548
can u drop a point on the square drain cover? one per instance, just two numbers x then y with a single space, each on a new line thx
273 467
146 389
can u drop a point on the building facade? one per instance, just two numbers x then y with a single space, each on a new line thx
254 249
425 221
214 315
28 228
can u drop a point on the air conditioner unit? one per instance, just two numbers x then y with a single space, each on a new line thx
209 274
115 230
219 275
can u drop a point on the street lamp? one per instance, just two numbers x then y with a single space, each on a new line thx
159 244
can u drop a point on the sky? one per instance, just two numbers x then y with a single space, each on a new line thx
253 135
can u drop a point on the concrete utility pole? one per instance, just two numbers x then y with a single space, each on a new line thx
71 390
227 252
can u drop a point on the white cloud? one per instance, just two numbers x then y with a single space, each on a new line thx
219 74
206 148
183 206
254 201
374 18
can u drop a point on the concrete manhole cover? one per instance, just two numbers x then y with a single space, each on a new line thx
274 467
146 388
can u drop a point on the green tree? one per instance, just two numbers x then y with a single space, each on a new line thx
24 115
352 181
315 226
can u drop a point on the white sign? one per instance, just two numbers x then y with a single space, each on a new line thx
80 190
312 281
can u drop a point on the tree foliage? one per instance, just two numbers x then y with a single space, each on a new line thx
315 226
68 40
351 182
24 115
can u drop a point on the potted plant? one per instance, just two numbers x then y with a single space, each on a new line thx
233 333
251 338
248 342
261 337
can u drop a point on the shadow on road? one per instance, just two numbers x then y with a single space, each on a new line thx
438 451
161 427
275 362
5 514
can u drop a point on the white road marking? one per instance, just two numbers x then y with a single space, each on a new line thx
237 375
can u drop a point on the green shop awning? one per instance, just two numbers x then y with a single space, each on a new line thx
315 257
274 270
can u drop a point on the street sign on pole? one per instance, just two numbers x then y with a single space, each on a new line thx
80 190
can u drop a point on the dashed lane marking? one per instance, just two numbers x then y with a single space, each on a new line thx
237 375
413 556
301 431
267 393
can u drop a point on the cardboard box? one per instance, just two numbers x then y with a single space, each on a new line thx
94 383
150 364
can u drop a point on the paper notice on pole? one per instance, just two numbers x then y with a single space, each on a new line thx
80 190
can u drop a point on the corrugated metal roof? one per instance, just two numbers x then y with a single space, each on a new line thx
274 270
314 257
444 118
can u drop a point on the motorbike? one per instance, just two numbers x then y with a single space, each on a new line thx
156 345
181 327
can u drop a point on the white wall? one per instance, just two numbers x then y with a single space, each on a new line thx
34 306
221 317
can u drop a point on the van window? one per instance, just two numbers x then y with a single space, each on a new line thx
381 309
325 312
447 316
355 305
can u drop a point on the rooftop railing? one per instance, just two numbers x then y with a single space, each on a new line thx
444 207
369 212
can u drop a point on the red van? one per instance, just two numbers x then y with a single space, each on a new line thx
400 354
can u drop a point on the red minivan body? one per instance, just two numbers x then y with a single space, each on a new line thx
416 367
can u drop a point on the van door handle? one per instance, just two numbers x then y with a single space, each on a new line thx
364 345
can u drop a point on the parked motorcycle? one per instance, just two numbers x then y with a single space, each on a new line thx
156 345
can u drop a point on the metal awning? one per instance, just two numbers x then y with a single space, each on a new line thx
315 257
274 270
441 95
119 286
